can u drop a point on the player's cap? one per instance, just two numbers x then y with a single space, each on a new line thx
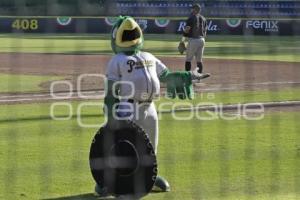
196 7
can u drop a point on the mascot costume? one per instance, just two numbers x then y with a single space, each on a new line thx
123 152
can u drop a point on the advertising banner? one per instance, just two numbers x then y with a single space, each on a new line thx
103 25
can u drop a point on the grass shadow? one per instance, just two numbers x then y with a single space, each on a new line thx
91 196
87 196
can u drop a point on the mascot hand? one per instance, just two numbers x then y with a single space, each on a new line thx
179 84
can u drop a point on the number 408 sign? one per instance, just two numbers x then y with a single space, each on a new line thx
25 24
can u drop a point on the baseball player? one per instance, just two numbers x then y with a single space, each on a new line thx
195 32
133 82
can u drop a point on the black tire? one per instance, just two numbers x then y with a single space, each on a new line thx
122 160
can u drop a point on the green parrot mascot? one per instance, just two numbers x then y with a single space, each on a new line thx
133 83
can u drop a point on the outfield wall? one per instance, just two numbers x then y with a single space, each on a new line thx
152 8
103 25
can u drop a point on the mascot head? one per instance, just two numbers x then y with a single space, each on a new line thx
127 36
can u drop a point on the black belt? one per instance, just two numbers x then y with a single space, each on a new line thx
139 102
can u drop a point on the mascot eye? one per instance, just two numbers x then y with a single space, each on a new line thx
131 35
114 33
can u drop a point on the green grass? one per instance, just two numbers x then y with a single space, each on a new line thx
205 98
10 83
218 159
162 104
54 44
271 48
45 159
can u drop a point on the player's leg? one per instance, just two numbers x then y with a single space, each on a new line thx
146 117
199 55
190 53
188 65
125 110
148 120
200 67
151 124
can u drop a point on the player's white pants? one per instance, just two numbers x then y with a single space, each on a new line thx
195 48
144 115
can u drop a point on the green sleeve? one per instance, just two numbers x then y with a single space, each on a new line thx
164 75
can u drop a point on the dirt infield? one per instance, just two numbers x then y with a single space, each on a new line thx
226 74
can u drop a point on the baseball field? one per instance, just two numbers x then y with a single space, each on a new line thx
212 147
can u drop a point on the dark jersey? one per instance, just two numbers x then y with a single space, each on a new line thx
198 26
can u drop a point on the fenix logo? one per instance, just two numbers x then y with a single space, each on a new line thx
267 25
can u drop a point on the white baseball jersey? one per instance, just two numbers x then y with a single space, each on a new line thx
141 71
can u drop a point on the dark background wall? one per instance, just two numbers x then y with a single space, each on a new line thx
151 8
159 16
103 25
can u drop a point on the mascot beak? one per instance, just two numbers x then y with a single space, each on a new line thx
129 33
129 24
